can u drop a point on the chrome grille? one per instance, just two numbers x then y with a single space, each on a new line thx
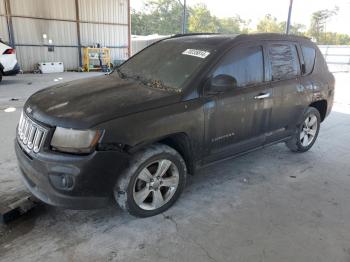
31 135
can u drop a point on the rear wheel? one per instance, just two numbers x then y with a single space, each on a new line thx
0 76
153 181
307 132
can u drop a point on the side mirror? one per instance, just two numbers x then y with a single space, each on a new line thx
222 83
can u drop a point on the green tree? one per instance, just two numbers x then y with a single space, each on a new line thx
269 24
232 25
318 23
342 39
140 23
332 38
201 20
162 17
296 29
165 17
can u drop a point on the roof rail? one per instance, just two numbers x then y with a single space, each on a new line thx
275 34
189 34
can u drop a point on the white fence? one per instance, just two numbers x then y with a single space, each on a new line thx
139 42
337 57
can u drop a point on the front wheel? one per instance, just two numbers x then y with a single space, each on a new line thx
307 132
153 181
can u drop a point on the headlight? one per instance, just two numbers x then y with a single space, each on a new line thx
74 141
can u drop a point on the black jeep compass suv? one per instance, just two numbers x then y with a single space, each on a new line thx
179 104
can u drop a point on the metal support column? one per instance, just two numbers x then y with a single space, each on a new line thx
289 16
9 23
78 32
129 29
184 18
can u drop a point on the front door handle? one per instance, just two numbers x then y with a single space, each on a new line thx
262 96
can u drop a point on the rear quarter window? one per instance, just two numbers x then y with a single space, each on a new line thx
284 61
309 54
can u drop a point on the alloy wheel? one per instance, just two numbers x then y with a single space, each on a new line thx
156 184
308 130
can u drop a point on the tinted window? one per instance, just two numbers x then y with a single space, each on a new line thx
309 54
245 64
284 61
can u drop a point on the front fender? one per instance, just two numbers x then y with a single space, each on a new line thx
141 129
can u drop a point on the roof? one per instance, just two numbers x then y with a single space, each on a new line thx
209 38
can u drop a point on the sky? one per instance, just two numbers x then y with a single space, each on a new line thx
256 9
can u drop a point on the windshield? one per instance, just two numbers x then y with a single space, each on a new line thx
167 64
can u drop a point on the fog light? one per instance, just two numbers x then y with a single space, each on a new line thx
62 181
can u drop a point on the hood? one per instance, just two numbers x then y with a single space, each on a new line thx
90 101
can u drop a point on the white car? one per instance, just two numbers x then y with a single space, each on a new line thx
8 61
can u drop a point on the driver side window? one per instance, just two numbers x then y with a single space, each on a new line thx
245 64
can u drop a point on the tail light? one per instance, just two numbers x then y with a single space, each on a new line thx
9 51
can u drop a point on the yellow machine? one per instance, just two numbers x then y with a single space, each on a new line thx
96 59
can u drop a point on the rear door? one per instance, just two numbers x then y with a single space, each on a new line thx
284 65
237 120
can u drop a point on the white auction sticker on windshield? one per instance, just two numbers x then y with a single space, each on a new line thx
195 52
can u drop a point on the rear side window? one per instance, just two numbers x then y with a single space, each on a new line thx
309 54
245 64
284 61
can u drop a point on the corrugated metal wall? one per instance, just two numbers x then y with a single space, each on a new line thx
107 24
61 9
100 21
108 11
3 24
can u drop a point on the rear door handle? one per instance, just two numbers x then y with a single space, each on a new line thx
262 96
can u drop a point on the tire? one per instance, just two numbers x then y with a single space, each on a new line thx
144 189
306 133
0 76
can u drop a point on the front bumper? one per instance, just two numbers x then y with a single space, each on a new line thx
94 176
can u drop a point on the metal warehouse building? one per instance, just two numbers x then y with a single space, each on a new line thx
56 30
